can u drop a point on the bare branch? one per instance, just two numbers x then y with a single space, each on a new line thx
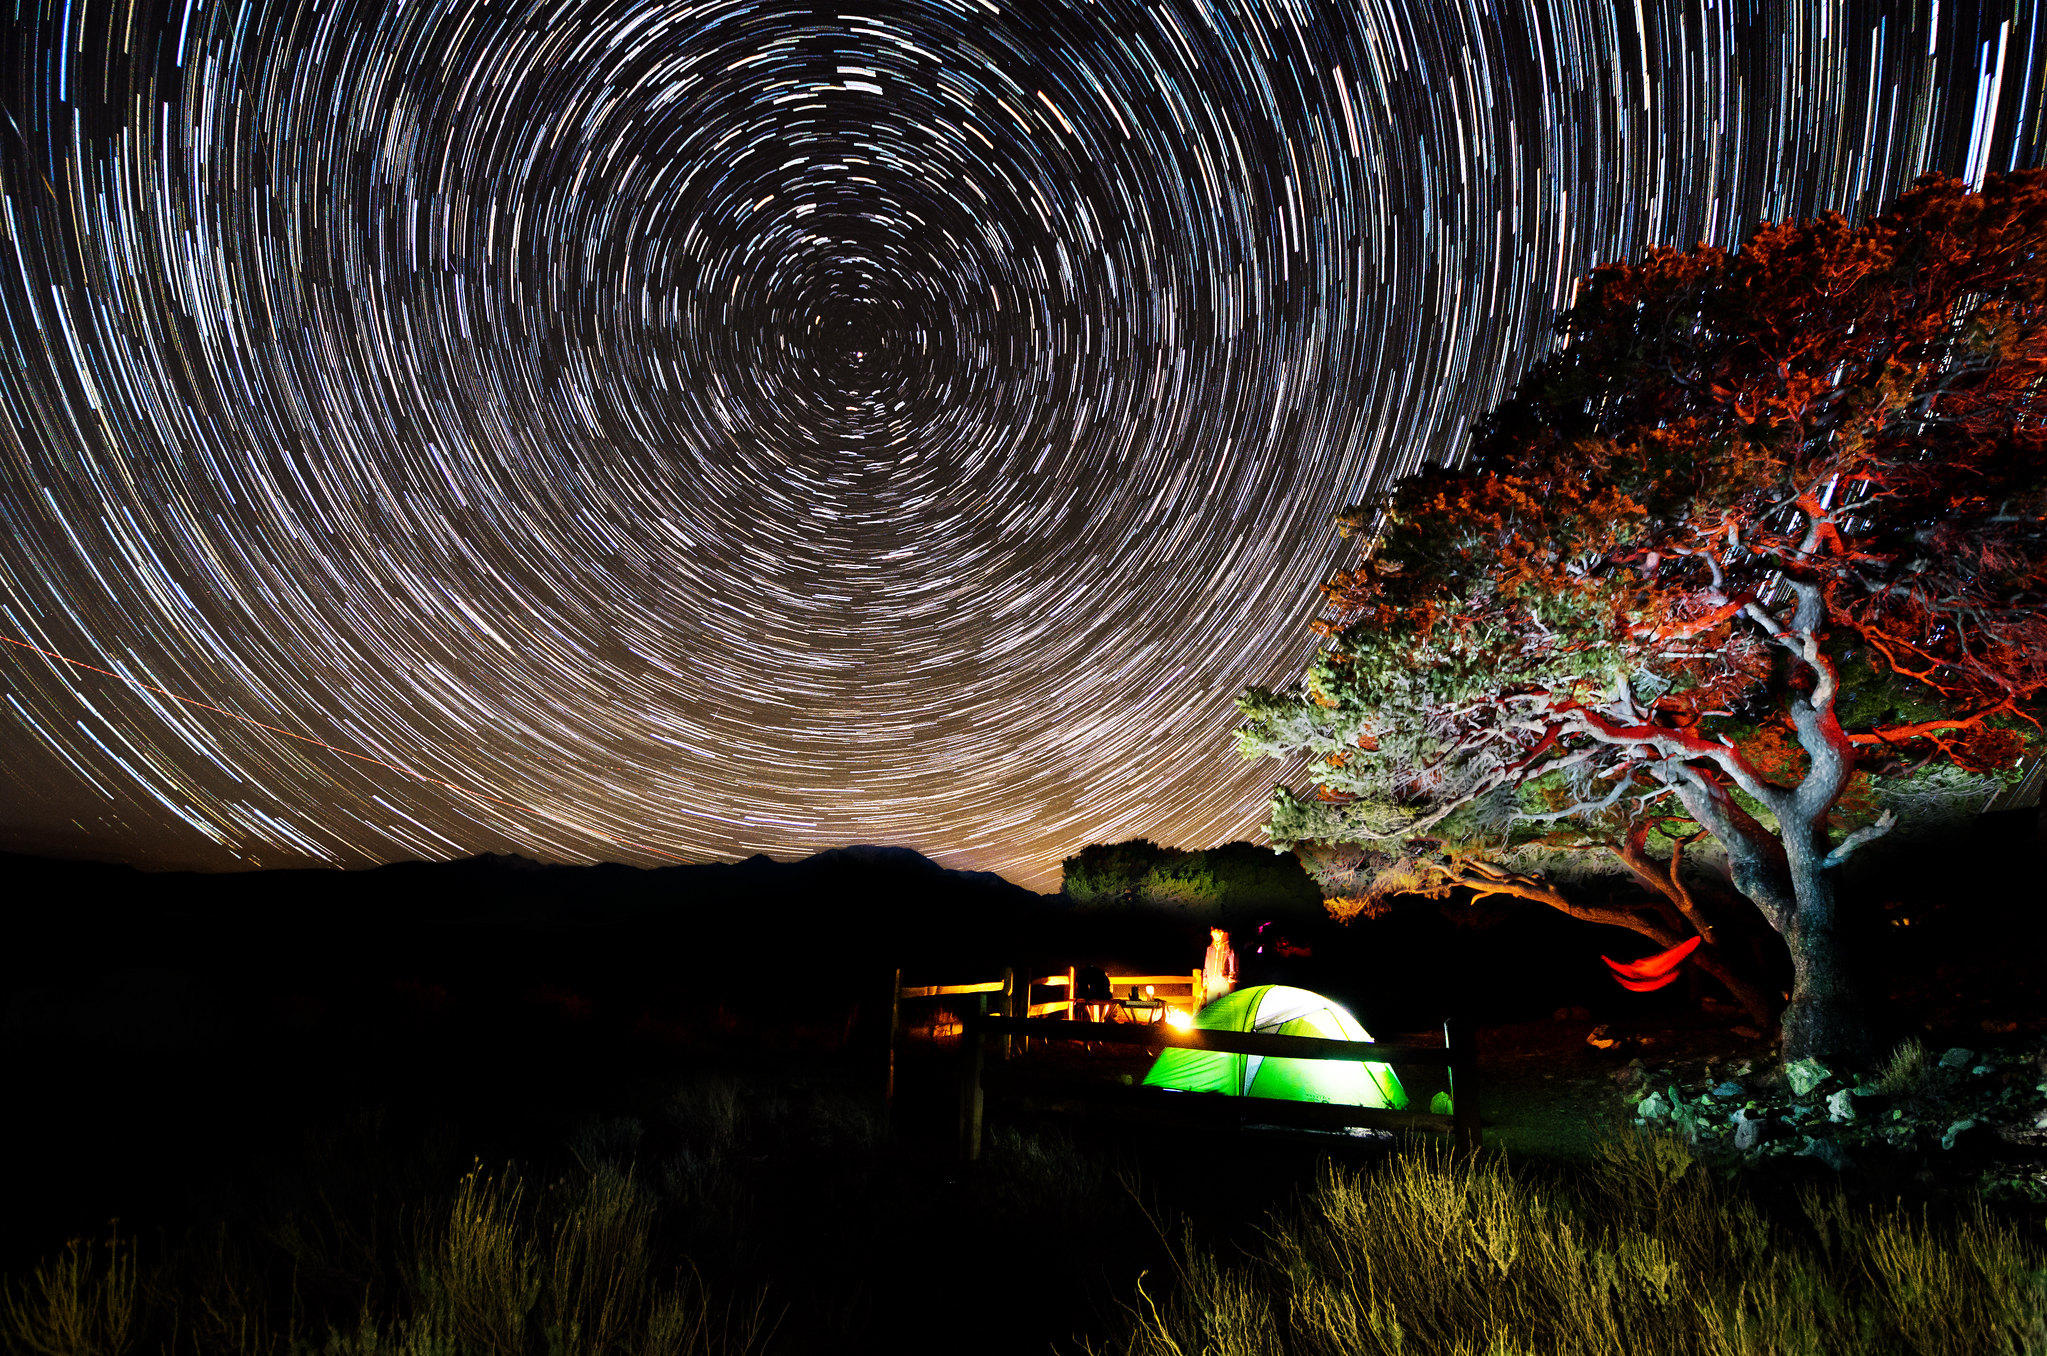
1867 833
1589 807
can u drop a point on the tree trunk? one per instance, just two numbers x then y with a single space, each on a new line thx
1825 1020
1756 861
1787 881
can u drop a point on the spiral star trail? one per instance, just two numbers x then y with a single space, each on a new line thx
702 428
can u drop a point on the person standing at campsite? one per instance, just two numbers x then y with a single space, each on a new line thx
1218 967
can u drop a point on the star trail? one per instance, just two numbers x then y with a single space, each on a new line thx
656 429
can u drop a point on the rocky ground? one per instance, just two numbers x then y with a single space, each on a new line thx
1952 1115
1961 1107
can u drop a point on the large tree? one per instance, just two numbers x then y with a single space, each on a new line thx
1766 522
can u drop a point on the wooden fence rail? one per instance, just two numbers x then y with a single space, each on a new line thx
1014 986
1046 1009
1456 1056
1189 980
947 990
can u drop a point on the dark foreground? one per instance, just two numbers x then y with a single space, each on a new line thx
452 1131
752 1206
427 1189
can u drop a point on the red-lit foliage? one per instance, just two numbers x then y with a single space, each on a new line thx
1765 519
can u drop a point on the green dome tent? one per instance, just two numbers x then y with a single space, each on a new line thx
1275 1010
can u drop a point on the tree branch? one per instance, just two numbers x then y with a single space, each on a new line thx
1867 833
1633 851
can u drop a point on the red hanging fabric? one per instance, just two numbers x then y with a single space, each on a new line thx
1651 972
1645 985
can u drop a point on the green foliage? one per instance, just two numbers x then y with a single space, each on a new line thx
1105 874
569 1274
1182 882
1232 881
597 1264
1255 880
783 1184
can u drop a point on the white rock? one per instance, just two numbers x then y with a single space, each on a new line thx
1806 1074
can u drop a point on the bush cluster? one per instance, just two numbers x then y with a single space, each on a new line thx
1236 882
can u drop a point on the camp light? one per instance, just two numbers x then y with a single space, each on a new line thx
1178 1020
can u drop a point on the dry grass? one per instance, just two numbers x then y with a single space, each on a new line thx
497 1271
1421 1253
1430 1253
83 1302
570 1274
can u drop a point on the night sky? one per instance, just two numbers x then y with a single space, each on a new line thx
641 431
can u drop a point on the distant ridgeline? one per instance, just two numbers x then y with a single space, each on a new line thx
871 907
1232 884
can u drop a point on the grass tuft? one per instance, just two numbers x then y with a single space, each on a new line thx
1909 1072
479 1274
569 1275
83 1302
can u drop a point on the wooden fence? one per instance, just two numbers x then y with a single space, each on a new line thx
1456 1055
1016 1001
1184 985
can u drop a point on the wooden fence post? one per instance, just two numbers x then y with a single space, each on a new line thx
1197 992
1007 1008
895 1026
971 1039
1464 1125
1020 1008
1072 1007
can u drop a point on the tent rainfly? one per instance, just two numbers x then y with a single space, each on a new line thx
1276 1010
